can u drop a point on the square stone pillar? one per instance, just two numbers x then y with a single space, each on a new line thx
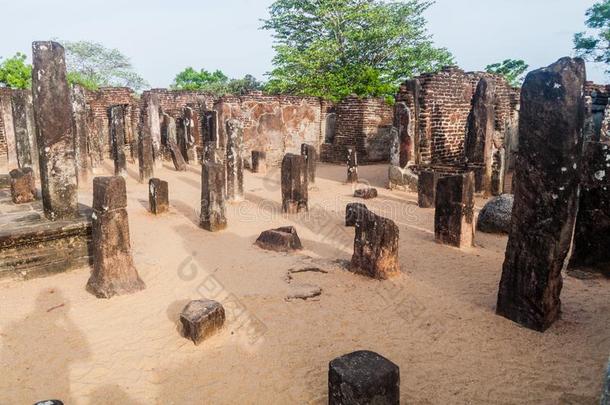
213 212
158 196
311 159
116 116
146 161
352 165
25 129
426 188
454 215
6 113
234 161
81 134
294 184
55 131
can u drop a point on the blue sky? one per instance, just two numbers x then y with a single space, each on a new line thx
162 37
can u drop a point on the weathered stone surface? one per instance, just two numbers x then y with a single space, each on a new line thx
352 165
366 193
362 378
146 161
403 126
550 141
294 184
23 185
498 171
591 247
209 126
8 129
402 179
169 130
191 134
153 123
496 215
201 318
212 153
25 129
311 160
81 134
113 270
354 212
375 247
234 161
426 188
50 402
303 292
116 116
177 158
55 131
454 214
606 387
259 162
213 217
283 239
158 196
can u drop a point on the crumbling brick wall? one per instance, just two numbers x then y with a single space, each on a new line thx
173 102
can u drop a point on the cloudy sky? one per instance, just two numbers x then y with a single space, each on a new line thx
163 37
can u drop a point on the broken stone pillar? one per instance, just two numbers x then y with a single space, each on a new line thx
209 126
363 377
366 193
352 165
116 117
478 146
294 184
158 196
25 129
55 130
426 188
606 387
177 158
213 189
591 247
113 270
311 159
81 134
375 247
544 212
6 117
201 318
234 161
23 185
259 162
283 239
454 214
354 212
146 161
153 123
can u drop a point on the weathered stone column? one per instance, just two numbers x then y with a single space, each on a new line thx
478 146
54 129
454 214
153 122
544 212
294 184
209 126
6 113
116 117
23 185
146 161
259 162
311 159
234 161
352 165
591 247
81 134
158 196
98 139
25 129
191 134
113 270
213 217
606 387
426 188
169 123
177 158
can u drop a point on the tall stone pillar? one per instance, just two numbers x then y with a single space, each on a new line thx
116 116
352 165
209 126
311 159
294 184
454 213
6 113
25 129
213 213
544 211
55 131
169 123
192 134
259 162
234 161
146 161
81 134
153 123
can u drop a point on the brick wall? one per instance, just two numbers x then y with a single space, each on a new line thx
173 101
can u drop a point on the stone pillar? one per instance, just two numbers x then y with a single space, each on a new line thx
177 158
116 117
426 188
153 122
363 377
606 387
478 146
113 270
6 114
209 126
454 214
591 247
498 172
169 123
158 196
544 212
81 134
97 141
25 129
191 134
354 212
213 217
23 185
146 161
55 130
375 246
294 184
259 162
352 165
234 161
403 131
311 159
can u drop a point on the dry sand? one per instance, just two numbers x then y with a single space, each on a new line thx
436 321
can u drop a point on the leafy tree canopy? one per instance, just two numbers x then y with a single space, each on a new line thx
334 48
15 73
594 45
93 65
511 69
216 82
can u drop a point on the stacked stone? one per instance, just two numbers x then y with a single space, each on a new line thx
234 161
311 159
294 184
213 189
352 165
158 196
544 212
113 270
454 214
116 116
55 129
259 162
81 133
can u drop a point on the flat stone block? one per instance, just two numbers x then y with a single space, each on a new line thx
201 318
366 193
158 196
283 239
23 185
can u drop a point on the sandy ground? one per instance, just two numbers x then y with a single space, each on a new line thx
436 321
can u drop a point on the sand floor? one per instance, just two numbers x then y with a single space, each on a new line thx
436 321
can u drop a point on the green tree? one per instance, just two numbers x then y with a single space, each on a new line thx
511 69
594 45
15 73
213 82
334 48
245 85
93 65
